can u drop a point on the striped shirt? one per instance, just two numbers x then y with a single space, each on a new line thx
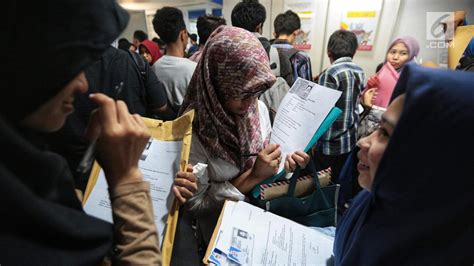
343 75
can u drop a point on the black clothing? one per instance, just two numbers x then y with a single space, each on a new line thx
72 41
466 63
141 94
42 221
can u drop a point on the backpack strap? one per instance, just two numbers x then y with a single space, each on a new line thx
139 63
274 61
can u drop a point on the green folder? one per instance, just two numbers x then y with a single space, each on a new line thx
330 118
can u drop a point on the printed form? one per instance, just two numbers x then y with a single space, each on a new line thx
158 163
300 114
249 235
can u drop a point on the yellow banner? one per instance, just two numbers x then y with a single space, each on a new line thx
360 14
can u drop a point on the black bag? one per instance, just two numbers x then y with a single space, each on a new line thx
317 209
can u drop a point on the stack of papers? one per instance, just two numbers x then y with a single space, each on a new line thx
248 235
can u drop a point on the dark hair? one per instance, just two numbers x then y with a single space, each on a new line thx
159 41
124 44
140 35
206 25
248 14
286 23
168 22
342 43
193 37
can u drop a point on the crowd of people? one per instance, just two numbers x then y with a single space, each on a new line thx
401 151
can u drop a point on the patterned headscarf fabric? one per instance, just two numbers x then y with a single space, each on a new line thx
233 64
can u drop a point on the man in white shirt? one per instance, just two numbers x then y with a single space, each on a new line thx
173 69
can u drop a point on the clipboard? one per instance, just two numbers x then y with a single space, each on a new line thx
325 125
210 247
176 130
242 231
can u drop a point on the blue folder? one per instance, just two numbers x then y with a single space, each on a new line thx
330 118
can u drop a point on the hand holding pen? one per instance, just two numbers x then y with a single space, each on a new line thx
88 158
120 139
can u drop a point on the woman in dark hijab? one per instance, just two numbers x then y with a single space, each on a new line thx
42 220
417 206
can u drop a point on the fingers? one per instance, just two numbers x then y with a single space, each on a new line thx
186 177
107 108
275 154
270 148
301 158
296 159
290 164
189 168
185 185
178 196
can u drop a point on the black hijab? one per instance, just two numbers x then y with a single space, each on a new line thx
42 221
420 210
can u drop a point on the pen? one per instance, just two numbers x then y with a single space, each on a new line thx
88 157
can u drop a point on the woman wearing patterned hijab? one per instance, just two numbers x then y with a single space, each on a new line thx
230 122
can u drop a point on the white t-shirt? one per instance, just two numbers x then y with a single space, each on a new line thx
219 172
175 73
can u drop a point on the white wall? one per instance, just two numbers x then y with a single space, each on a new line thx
137 22
142 14
368 60
228 5
327 19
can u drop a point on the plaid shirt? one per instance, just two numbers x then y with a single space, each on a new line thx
343 75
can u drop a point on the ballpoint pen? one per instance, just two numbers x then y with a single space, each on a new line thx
88 157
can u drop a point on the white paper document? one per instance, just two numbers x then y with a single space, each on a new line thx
300 114
159 163
249 235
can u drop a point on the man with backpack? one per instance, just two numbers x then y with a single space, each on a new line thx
141 91
250 15
287 26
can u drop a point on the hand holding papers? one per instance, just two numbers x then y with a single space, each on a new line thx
305 113
247 235
300 114
166 153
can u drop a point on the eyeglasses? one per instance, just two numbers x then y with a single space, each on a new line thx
245 96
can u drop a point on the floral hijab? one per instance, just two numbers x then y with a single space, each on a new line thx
233 64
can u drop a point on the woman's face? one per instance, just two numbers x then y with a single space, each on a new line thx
51 116
373 146
240 105
146 54
398 55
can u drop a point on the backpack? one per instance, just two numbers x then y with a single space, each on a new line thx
139 63
280 63
141 67
273 96
298 63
